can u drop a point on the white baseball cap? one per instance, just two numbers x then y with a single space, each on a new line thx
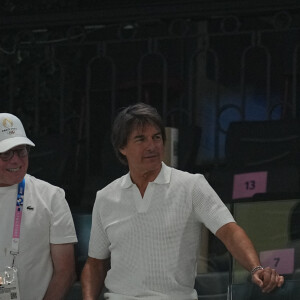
12 132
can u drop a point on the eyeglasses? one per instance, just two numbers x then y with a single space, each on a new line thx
8 155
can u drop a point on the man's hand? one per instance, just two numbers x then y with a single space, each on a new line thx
267 279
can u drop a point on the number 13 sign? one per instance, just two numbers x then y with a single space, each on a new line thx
247 184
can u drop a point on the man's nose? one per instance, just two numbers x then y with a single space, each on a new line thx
15 156
150 144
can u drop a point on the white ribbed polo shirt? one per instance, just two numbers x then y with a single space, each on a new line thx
153 241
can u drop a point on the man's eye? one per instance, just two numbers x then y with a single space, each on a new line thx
140 139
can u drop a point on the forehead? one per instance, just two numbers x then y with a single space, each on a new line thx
141 129
15 148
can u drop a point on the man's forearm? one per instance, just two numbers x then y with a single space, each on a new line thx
242 249
64 273
239 245
92 278
91 285
59 285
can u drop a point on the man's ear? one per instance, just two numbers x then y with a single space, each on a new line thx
122 151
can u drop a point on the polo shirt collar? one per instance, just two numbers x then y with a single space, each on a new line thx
163 177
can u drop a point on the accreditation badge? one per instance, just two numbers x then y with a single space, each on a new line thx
9 286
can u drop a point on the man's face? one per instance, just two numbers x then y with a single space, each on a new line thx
13 170
144 150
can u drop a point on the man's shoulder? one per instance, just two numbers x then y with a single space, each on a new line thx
187 180
185 175
38 183
113 186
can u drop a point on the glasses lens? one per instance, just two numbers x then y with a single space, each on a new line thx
6 155
22 152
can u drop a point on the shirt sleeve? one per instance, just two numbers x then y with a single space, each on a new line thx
99 242
62 229
208 207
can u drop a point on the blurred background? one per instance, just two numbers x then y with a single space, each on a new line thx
224 74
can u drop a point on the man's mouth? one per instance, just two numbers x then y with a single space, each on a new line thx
13 169
151 156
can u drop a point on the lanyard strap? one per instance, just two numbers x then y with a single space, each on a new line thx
17 222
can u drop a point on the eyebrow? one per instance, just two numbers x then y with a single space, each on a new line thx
138 136
142 135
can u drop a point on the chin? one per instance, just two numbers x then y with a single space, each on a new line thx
16 179
155 165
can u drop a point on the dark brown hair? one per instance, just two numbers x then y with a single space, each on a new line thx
137 115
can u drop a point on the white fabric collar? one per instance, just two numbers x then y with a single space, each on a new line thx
163 177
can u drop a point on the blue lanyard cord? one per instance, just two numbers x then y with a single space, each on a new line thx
21 190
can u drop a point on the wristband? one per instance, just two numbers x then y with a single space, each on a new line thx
256 269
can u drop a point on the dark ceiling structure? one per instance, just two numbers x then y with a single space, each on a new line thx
35 13
67 66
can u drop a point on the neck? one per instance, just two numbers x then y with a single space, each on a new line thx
142 179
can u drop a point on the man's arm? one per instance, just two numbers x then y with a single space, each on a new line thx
93 276
239 245
63 271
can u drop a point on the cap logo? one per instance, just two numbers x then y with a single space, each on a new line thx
7 123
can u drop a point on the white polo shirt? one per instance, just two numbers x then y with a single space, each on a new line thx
153 241
46 219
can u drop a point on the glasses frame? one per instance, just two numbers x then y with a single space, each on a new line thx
9 154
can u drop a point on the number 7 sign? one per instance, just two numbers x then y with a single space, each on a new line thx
282 260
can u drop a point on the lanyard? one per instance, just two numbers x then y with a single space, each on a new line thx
17 221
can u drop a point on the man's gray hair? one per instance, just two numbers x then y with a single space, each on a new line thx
129 118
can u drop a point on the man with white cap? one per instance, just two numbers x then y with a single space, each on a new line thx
37 232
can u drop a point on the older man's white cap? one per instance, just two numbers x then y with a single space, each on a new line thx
12 132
